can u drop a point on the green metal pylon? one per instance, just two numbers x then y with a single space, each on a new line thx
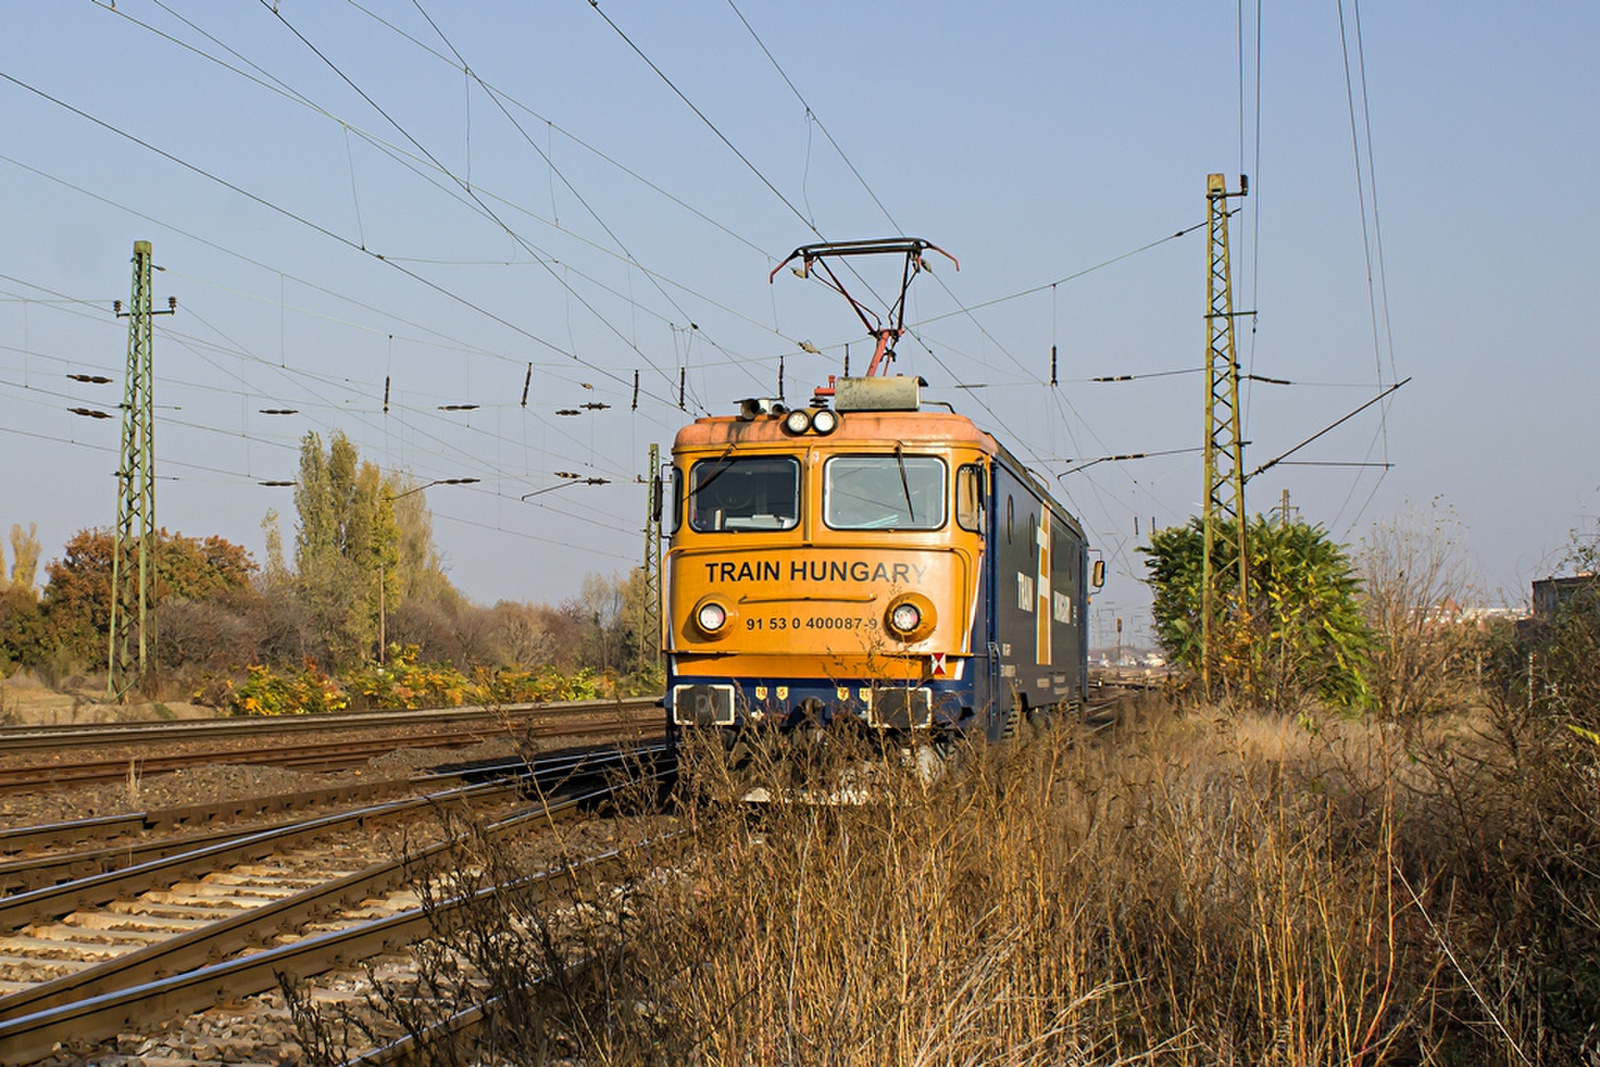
1224 514
132 644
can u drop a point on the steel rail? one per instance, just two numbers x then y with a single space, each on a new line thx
24 738
330 754
52 902
251 928
32 873
29 873
108 827
79 1017
165 867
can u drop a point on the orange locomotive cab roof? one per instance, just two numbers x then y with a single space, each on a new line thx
867 427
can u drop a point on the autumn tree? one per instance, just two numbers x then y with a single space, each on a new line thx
24 555
342 540
77 600
22 636
363 547
419 570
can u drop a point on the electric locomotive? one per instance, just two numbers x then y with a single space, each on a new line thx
868 558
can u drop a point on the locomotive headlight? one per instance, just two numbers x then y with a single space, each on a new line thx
825 421
905 618
711 617
797 421
910 617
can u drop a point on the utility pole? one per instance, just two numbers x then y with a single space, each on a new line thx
650 609
133 554
1224 515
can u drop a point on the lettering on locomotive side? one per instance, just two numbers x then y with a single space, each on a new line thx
814 570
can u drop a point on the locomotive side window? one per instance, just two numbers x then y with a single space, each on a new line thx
754 493
969 497
677 500
893 492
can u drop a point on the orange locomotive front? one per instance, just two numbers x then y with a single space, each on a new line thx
826 562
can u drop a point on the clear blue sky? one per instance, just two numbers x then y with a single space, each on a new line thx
609 229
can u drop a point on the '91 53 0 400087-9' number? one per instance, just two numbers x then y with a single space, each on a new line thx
815 622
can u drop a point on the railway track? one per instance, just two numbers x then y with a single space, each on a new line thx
102 735
340 744
35 857
86 959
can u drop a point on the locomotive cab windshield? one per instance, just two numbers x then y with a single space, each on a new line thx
744 493
896 492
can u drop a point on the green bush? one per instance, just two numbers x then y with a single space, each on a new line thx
1300 634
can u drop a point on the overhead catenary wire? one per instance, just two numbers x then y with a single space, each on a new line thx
266 80
516 236
469 73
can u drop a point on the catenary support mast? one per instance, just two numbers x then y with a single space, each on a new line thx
131 657
650 636
1224 518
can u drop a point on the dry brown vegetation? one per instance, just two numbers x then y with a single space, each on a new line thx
1186 889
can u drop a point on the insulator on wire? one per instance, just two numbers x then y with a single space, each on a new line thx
1053 366
386 394
635 391
847 361
527 381
780 377
683 384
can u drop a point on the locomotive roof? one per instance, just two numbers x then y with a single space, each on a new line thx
864 427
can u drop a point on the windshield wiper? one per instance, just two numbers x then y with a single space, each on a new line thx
905 486
723 463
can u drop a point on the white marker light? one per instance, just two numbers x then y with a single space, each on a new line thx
905 618
711 617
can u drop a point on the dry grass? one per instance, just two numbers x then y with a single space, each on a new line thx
1188 889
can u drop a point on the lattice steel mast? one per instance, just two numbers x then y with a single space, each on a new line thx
133 571
1224 517
650 636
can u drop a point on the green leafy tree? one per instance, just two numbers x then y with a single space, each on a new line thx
1300 634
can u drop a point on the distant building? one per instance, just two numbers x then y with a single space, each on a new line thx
1549 594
